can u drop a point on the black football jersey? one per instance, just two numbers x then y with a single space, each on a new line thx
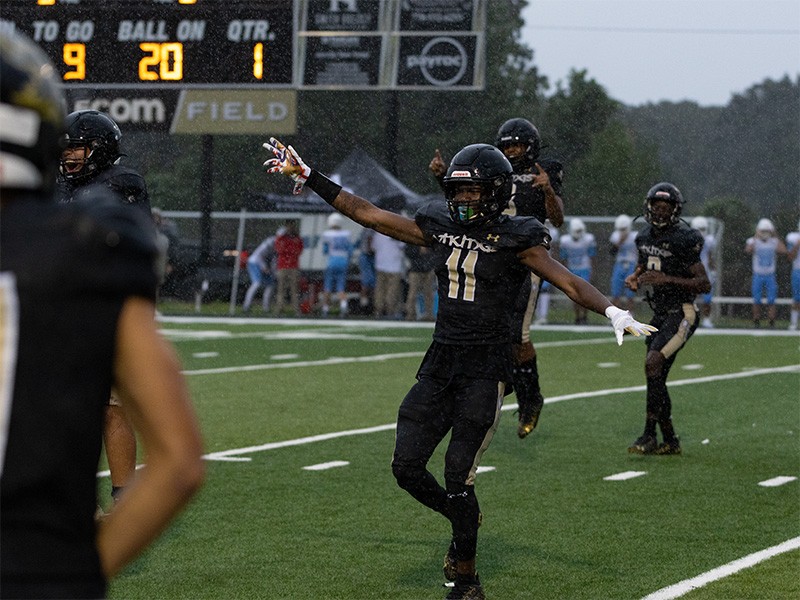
478 273
672 251
527 200
127 185
70 269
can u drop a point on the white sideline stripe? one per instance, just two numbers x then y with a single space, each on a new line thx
684 587
624 475
776 481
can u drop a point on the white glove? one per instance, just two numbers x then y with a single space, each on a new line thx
287 162
623 321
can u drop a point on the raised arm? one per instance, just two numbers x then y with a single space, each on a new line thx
287 162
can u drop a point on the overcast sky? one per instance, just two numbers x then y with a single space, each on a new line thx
650 50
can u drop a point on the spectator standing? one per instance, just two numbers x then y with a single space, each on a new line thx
366 270
421 282
707 258
388 275
90 166
623 248
288 248
79 279
577 251
764 247
338 247
261 269
793 251
543 304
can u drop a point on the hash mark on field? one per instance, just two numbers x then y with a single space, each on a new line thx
205 354
776 481
607 365
693 367
326 465
624 475
284 356
688 585
485 469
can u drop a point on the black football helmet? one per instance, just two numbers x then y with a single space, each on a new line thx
519 131
99 134
31 115
485 166
669 193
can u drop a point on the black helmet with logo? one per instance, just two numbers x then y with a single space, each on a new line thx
99 135
485 167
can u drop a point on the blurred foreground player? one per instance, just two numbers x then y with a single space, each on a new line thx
670 274
76 317
481 258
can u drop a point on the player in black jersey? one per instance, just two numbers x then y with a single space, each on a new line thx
89 169
670 274
76 315
481 259
535 192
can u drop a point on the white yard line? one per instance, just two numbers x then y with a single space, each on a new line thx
684 587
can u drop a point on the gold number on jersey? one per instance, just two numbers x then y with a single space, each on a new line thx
467 267
653 263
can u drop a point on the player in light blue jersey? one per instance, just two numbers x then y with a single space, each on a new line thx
623 247
707 258
338 247
577 251
764 247
793 246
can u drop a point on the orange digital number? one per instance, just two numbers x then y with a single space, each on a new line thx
75 56
167 57
258 61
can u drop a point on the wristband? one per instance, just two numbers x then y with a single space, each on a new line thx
324 187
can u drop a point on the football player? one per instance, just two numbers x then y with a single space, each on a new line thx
481 259
707 258
623 248
77 289
578 251
535 192
670 274
89 168
764 247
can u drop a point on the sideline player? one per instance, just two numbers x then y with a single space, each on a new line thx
89 169
481 259
707 258
670 274
536 192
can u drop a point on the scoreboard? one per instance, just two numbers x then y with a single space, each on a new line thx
258 44
161 43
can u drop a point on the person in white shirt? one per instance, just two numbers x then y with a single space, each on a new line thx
764 246
261 269
623 247
707 258
793 250
389 263
578 250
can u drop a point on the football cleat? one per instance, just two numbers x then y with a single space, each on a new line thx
673 446
529 416
467 591
645 444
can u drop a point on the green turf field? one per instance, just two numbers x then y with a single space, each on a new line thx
276 398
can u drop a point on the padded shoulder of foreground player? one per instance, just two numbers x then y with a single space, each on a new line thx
120 242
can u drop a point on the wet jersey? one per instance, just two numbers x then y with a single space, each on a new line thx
72 269
127 185
673 251
478 273
527 200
